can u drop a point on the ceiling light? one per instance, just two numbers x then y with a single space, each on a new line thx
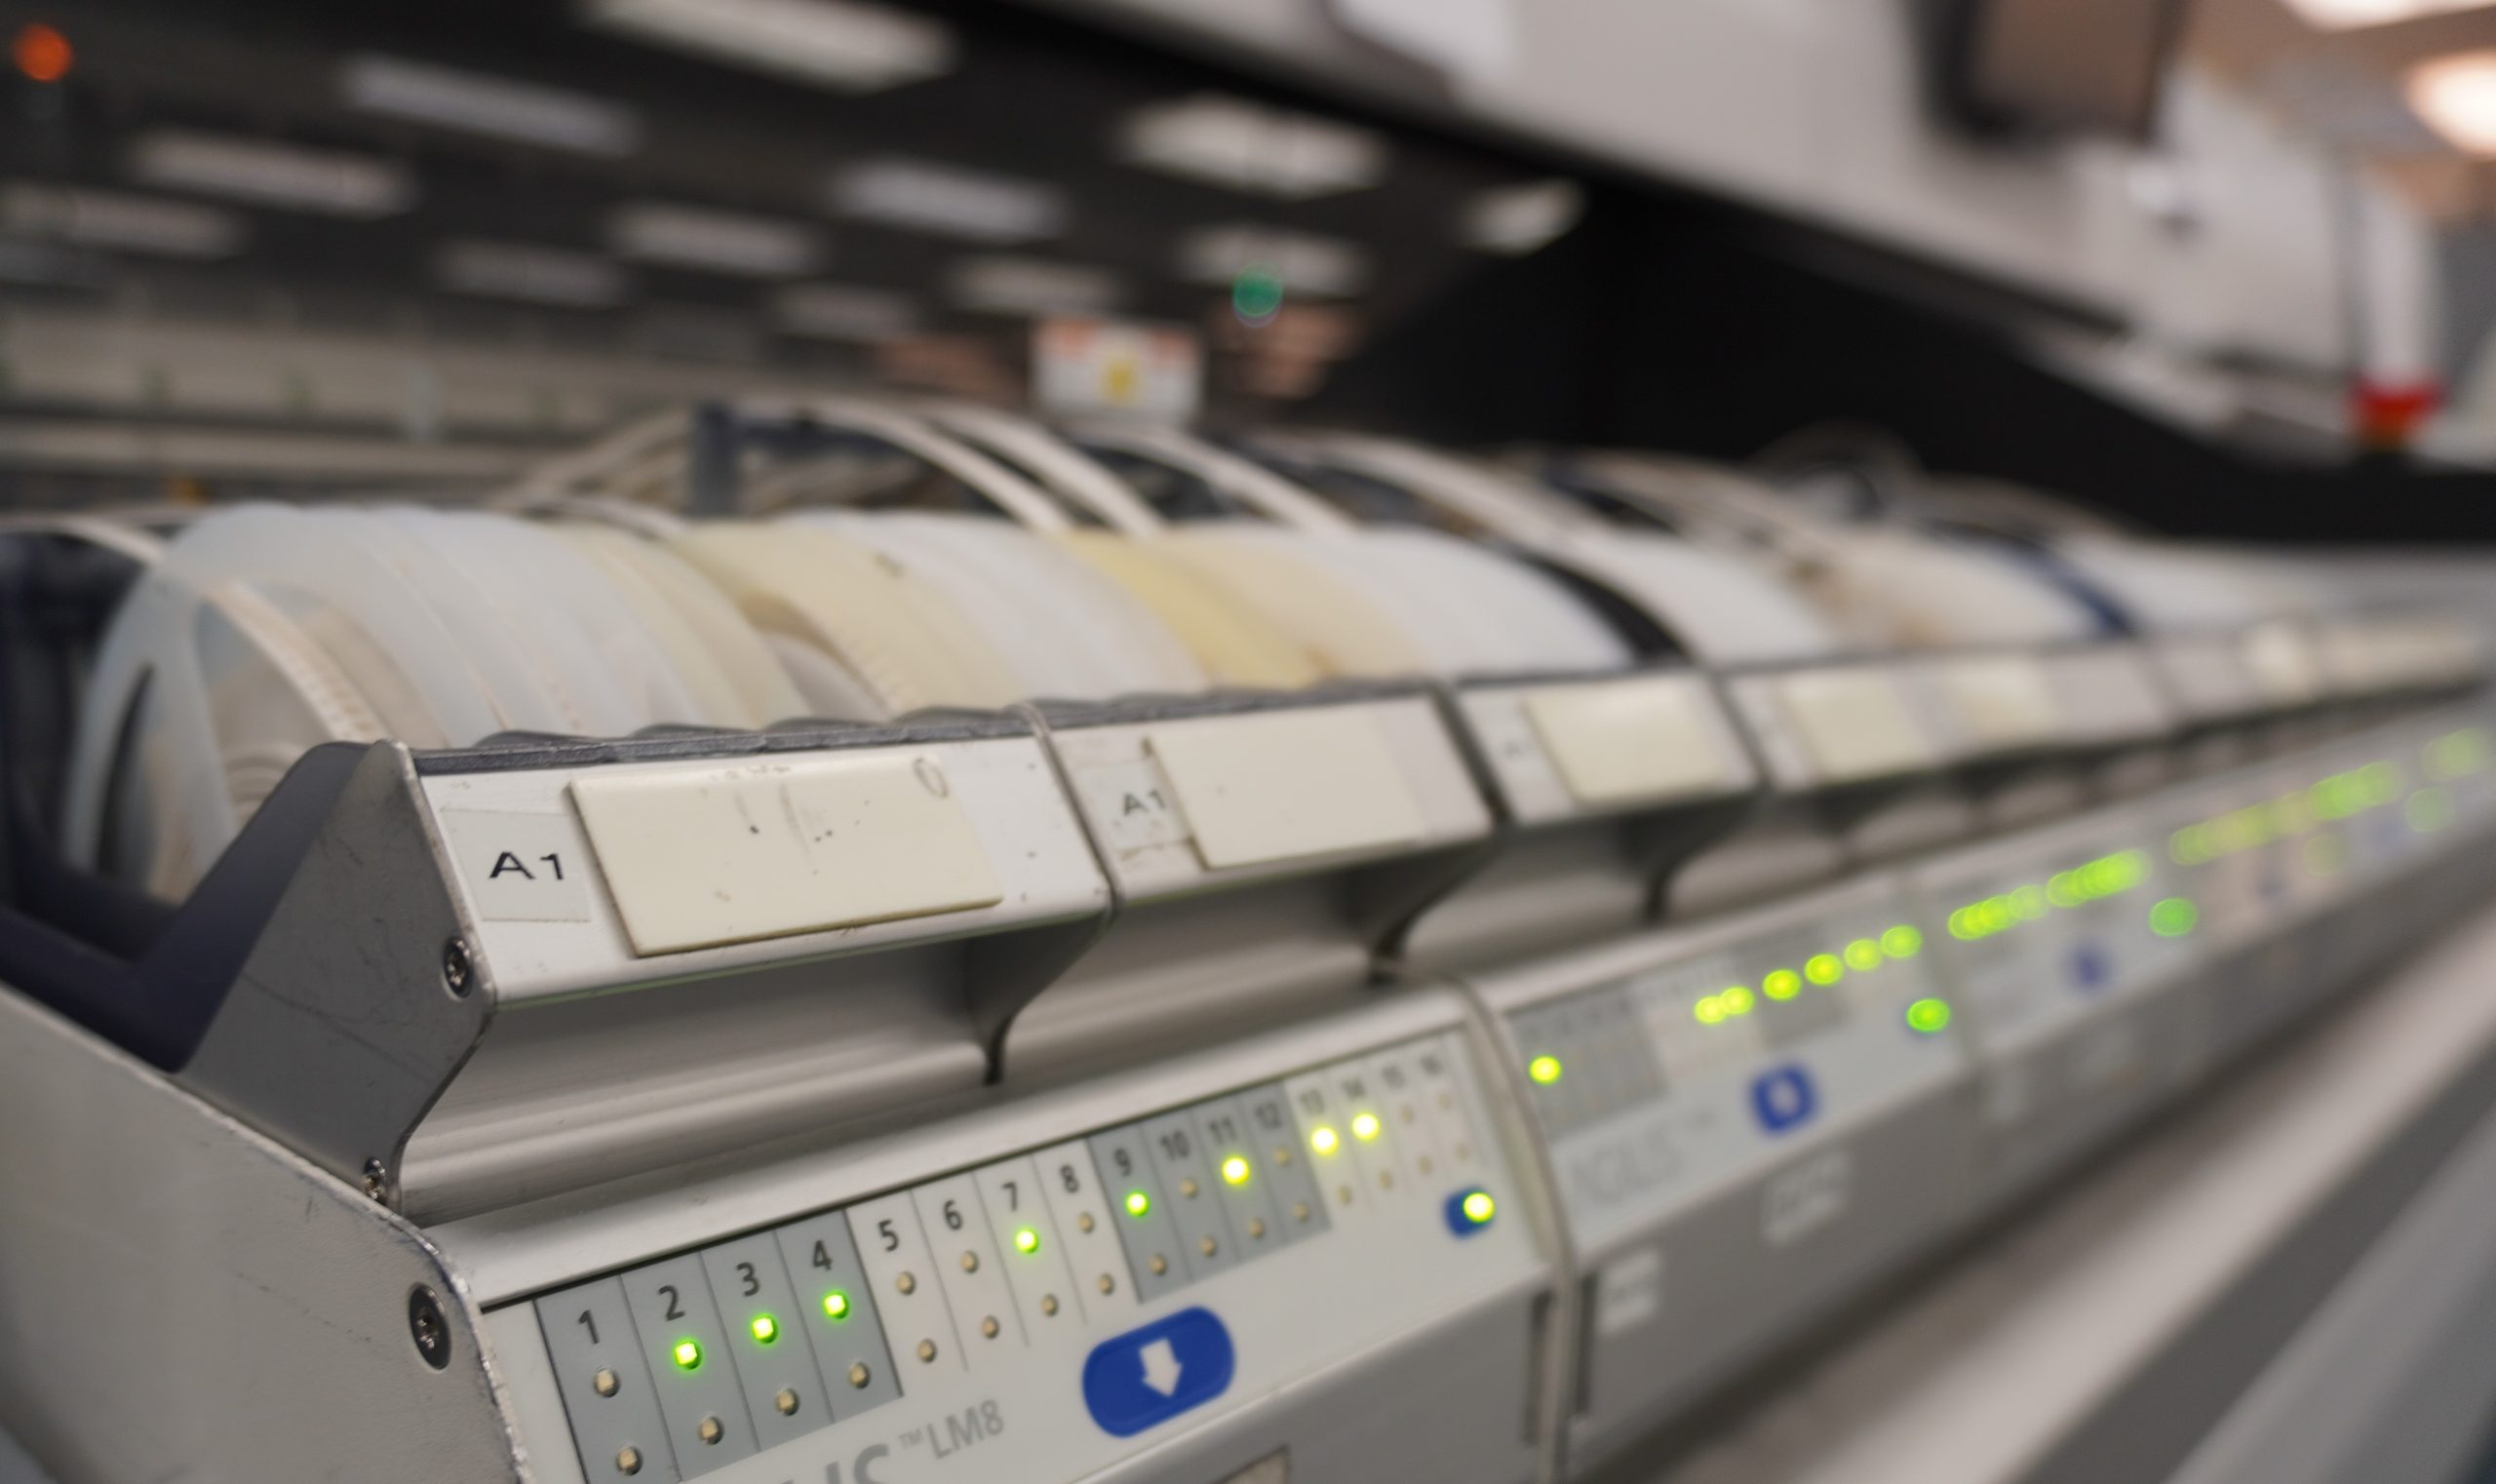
1517 220
1247 146
518 270
1032 286
324 180
2349 14
2457 98
719 242
122 219
841 44
946 199
1305 264
845 312
472 103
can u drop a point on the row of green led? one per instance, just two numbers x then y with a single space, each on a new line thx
1863 955
2455 755
2094 881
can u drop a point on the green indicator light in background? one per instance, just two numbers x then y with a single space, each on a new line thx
1365 1126
2173 917
2291 814
2325 854
1027 1240
836 1304
2380 782
1823 969
1927 1017
687 1354
1139 1204
2028 902
764 1329
1708 1011
2062 889
2428 810
1863 955
1737 1001
1257 294
1902 941
1782 983
1324 1140
1545 1069
2192 845
2457 755
1478 1207
1235 1171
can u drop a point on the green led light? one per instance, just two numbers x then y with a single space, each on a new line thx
1708 1011
1929 1017
2062 889
1978 920
1139 1204
836 1304
2192 845
1902 941
1545 1069
1863 955
1257 294
1782 983
2173 917
1823 969
1737 1001
763 1328
687 1354
2457 755
2428 809
1325 1142
2380 782
1235 1171
1478 1207
1365 1126
1027 1240
2027 903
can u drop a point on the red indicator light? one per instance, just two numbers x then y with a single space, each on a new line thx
42 53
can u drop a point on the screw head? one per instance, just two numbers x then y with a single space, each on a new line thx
377 1179
458 974
428 1327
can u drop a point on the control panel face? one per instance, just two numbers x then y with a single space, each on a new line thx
2039 933
1041 1315
1715 1058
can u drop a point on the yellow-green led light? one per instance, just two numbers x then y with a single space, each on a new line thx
1139 1204
1478 1207
1862 955
1027 1240
2173 917
1365 1126
1324 1140
2428 810
1709 1011
1235 1171
1929 1017
1782 983
1737 1001
836 1304
1545 1069
687 1354
1823 969
1902 941
764 1329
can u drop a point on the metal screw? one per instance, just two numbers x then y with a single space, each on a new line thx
785 1402
458 973
377 1179
427 1327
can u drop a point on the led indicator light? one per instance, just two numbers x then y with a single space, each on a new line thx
687 1354
1782 983
1478 1207
1863 955
2174 917
1902 941
42 53
1323 1140
836 1304
1027 1240
1467 1212
1365 1126
2428 810
1709 1011
1737 1001
764 1329
1823 969
1235 1170
1545 1069
1139 1204
1929 1017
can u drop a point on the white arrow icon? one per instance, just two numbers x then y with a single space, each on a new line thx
1161 1367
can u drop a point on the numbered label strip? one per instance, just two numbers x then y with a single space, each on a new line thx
686 1366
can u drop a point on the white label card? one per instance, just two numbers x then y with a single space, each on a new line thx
1854 722
1286 783
1626 741
519 868
705 855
